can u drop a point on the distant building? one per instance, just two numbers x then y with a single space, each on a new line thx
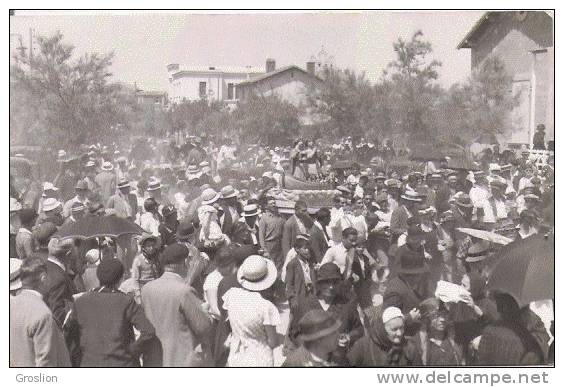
152 97
209 82
523 40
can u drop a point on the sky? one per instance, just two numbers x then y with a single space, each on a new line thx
144 43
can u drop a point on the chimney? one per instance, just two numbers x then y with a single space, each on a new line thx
310 66
270 65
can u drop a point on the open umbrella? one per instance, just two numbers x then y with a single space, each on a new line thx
486 235
525 269
99 226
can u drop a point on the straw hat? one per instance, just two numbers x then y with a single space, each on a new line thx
228 192
210 196
107 166
478 251
257 273
250 210
50 204
15 271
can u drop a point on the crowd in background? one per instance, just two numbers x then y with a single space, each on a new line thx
220 274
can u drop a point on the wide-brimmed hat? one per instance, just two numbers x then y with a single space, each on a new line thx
121 159
154 185
463 200
146 236
50 204
192 170
447 216
329 272
107 166
15 271
411 196
479 175
210 196
495 167
229 192
531 196
184 231
257 273
90 164
498 184
250 210
478 251
317 324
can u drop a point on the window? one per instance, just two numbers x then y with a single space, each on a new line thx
202 89
230 89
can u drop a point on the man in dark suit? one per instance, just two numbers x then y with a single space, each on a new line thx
300 273
319 237
299 223
408 208
59 287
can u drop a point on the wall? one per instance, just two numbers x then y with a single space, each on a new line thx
513 41
186 85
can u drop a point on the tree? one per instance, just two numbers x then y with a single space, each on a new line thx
72 97
347 102
267 119
413 93
188 115
480 107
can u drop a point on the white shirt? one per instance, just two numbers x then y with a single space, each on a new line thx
341 257
480 197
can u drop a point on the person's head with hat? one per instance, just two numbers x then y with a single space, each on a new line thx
435 318
107 166
185 232
506 171
302 247
78 210
463 203
411 200
154 188
528 221
380 180
250 214
495 169
412 266
477 257
49 190
149 245
110 273
498 188
174 259
393 186
124 187
452 179
205 167
192 172
210 197
52 207
318 332
81 190
532 200
229 196
15 271
447 220
15 220
257 274
328 279
382 202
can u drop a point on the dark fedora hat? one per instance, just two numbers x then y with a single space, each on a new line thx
317 324
329 272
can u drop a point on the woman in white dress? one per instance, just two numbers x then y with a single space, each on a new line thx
253 319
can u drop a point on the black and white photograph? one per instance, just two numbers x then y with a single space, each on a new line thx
315 188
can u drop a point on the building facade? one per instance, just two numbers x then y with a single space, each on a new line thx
213 83
523 40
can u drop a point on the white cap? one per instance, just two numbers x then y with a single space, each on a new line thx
391 313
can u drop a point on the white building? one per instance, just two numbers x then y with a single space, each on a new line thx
214 83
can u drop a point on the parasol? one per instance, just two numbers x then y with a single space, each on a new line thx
525 269
486 235
99 226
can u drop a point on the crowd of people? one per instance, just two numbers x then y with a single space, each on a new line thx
219 274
